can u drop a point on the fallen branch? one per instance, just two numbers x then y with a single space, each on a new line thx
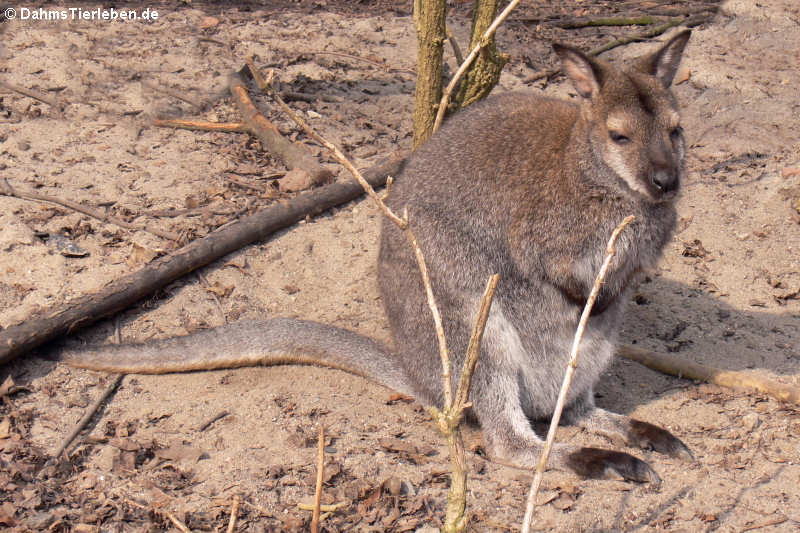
571 366
292 154
680 367
8 190
80 312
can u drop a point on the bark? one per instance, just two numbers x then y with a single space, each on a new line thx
429 18
484 73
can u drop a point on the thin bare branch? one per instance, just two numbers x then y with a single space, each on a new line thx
468 61
318 487
571 366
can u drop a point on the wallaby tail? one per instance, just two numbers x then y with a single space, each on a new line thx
248 343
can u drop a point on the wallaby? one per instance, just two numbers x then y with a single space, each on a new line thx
527 187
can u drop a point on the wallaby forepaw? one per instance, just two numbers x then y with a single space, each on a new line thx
596 463
650 437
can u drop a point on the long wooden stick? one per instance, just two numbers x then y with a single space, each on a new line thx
680 367
21 338
571 366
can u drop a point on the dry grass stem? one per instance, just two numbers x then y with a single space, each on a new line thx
468 61
234 514
318 488
571 366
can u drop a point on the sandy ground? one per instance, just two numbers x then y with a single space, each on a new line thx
727 292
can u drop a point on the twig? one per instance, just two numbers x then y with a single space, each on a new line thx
654 32
318 487
449 418
454 45
36 95
90 412
329 508
172 92
263 512
205 425
765 523
573 24
266 86
468 61
8 190
202 125
207 287
177 523
680 367
571 366
372 62
234 514
252 186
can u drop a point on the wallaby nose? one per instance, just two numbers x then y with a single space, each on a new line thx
665 180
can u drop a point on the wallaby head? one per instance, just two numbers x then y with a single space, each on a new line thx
630 118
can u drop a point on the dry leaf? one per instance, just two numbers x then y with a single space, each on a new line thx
790 171
180 452
7 385
683 75
295 180
140 256
7 511
219 289
128 445
5 428
207 22
397 397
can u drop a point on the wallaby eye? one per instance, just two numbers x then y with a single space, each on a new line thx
676 133
618 138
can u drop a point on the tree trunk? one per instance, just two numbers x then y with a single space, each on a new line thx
429 18
484 73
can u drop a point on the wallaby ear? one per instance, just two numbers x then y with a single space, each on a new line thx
664 63
586 76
